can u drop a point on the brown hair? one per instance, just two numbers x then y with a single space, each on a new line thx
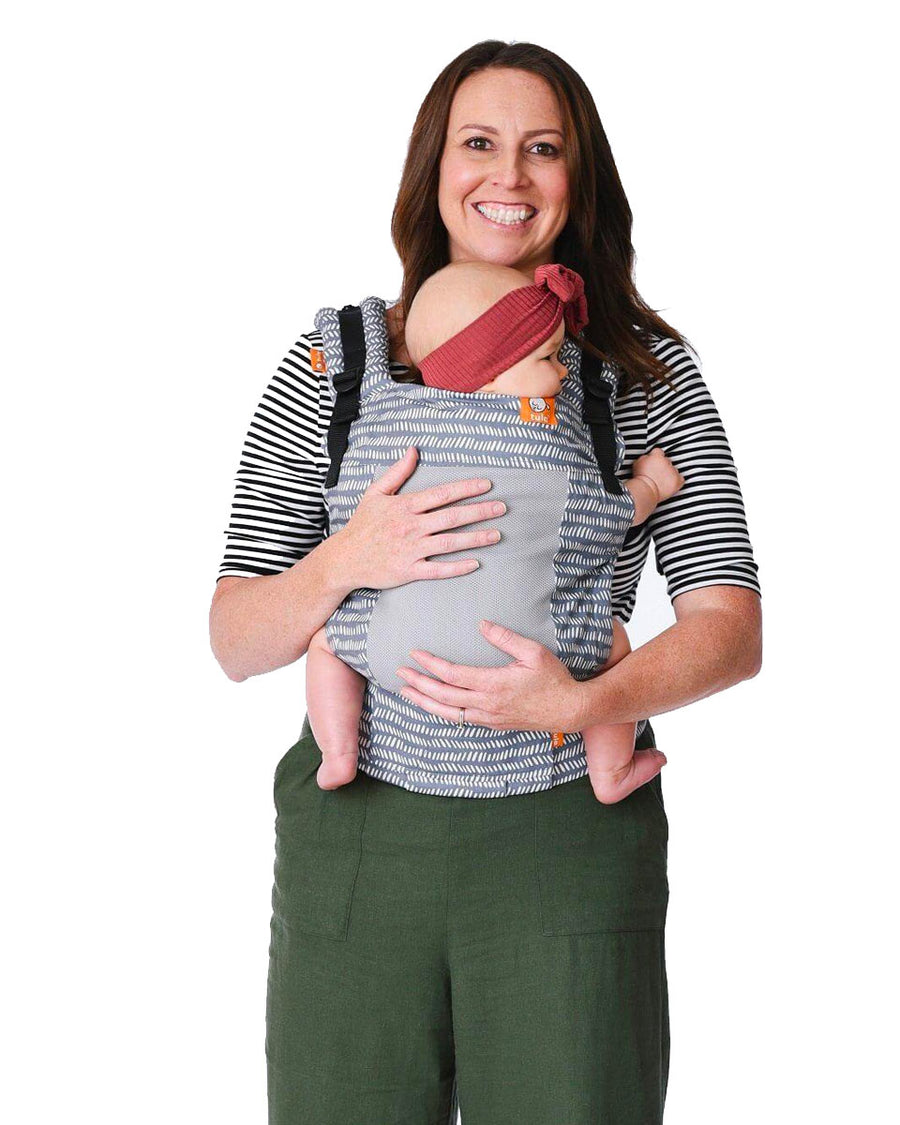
596 240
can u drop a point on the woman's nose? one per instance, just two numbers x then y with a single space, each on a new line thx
509 171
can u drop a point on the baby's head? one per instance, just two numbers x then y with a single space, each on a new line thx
461 293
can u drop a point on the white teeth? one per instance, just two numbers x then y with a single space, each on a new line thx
508 215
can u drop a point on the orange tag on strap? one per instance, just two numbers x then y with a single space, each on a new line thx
317 359
538 410
558 738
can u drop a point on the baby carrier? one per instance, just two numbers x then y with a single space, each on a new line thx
553 462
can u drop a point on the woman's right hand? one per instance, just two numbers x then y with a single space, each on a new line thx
389 539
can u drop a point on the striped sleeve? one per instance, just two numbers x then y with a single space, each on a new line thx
700 534
278 509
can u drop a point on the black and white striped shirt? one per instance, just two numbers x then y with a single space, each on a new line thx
699 535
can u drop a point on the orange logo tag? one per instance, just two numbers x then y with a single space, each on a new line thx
558 738
317 358
538 410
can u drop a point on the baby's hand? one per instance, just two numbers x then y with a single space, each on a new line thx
657 466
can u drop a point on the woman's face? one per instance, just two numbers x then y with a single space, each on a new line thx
504 154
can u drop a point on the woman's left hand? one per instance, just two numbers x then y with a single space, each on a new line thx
535 692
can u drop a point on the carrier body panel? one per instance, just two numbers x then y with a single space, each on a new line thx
549 578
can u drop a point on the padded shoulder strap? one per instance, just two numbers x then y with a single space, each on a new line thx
355 340
356 344
375 342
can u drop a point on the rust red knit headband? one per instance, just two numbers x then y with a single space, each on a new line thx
508 331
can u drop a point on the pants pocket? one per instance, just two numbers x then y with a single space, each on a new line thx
318 844
600 868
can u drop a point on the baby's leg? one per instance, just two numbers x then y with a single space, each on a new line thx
614 766
334 699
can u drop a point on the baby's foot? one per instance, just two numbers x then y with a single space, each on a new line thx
337 768
612 785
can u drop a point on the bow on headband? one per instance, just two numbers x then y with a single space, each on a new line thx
569 288
509 330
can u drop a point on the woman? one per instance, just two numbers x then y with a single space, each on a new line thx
503 954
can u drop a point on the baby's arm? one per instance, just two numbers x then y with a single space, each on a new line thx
653 479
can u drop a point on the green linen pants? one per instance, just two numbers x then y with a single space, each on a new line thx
501 957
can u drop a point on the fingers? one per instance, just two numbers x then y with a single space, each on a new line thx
462 514
446 493
426 524
440 699
434 571
460 675
474 717
444 544
435 543
522 648
400 471
659 468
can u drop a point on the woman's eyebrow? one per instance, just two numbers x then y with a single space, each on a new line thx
491 129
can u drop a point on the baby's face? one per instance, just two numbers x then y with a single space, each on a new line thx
538 375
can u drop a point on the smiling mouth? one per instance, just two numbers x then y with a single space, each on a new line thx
506 215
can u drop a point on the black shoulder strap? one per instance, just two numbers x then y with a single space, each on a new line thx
598 414
347 383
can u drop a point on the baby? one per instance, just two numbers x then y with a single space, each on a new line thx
446 305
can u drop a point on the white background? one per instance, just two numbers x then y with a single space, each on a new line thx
186 185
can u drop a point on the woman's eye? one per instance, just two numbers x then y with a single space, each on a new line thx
554 151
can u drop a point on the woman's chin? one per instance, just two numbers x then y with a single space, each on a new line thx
503 251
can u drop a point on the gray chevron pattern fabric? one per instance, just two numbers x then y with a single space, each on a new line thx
561 536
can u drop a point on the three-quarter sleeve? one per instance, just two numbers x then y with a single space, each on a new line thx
278 508
700 535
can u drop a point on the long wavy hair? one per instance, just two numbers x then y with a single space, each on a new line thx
596 240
